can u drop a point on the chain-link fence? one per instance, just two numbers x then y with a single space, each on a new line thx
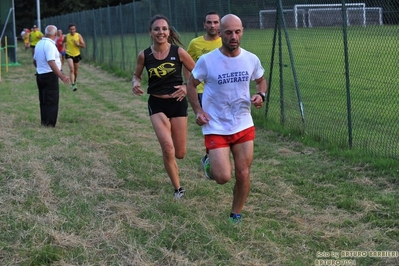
7 34
332 65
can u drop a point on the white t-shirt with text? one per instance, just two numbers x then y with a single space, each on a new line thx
226 95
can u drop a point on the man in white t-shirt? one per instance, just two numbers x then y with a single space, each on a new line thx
225 115
47 61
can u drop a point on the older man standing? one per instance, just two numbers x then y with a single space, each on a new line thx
48 64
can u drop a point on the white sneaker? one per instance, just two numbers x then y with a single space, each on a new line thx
179 193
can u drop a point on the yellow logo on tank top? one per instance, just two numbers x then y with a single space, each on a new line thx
162 70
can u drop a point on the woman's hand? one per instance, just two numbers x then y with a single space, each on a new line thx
180 93
136 83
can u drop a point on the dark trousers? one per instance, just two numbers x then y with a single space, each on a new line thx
49 95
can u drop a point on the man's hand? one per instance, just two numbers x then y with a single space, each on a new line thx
202 118
257 101
65 79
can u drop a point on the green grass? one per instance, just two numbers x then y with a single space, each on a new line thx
93 190
319 64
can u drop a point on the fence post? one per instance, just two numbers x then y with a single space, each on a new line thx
195 18
1 50
298 93
135 28
6 52
122 43
276 25
94 38
348 95
110 36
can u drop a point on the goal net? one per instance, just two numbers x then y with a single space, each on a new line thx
314 7
321 15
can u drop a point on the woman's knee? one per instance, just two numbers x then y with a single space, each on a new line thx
180 154
180 151
168 150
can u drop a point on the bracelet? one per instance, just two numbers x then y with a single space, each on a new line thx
262 94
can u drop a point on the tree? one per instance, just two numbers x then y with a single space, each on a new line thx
26 13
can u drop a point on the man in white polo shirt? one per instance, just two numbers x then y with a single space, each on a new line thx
47 61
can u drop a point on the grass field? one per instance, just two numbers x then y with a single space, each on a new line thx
93 190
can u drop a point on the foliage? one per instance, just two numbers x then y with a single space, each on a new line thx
26 14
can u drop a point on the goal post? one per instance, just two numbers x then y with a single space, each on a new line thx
267 18
331 16
305 8
316 15
374 16
354 16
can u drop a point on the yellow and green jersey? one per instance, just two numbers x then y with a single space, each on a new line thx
35 37
200 46
71 48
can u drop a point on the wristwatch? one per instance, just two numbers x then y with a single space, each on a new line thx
262 94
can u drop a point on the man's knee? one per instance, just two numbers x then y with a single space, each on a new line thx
221 178
242 174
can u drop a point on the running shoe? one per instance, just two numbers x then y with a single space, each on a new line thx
207 167
179 193
235 219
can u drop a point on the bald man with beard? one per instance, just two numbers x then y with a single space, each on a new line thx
225 115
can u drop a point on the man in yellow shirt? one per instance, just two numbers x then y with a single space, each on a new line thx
204 44
34 37
25 37
74 41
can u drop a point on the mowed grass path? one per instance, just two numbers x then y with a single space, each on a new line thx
93 190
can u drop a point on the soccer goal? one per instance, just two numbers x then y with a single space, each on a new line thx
354 16
330 12
267 18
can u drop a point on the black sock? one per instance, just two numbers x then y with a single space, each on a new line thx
179 189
